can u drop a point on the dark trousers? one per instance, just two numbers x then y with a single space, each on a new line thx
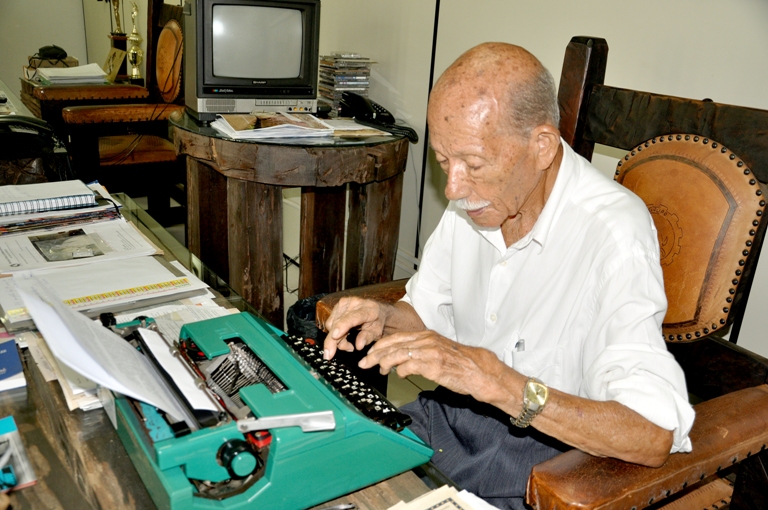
478 448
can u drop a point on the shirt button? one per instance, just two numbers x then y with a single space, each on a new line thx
493 317
503 263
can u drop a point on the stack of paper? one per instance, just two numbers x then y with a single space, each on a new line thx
103 209
90 73
271 125
115 285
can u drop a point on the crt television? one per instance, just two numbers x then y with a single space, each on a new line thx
250 55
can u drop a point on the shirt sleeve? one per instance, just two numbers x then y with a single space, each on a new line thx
626 359
429 290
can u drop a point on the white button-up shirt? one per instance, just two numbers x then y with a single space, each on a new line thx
577 303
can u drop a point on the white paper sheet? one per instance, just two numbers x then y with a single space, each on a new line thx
196 397
113 240
98 353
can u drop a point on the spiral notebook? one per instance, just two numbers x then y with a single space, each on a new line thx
44 196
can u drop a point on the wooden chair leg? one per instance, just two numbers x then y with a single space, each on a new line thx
751 489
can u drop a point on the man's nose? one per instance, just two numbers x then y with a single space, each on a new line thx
456 188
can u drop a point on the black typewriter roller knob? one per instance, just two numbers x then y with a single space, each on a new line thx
238 458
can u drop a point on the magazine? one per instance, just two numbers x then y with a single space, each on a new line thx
258 126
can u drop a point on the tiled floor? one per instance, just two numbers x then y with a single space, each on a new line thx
399 391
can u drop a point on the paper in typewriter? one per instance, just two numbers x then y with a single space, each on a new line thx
97 353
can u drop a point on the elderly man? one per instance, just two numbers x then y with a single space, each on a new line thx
538 300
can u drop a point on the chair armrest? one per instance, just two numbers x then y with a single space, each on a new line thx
89 92
389 292
118 113
727 430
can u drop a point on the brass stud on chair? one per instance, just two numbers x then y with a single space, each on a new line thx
678 137
732 157
695 138
714 145
705 141
740 164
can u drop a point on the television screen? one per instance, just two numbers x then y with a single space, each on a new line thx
256 42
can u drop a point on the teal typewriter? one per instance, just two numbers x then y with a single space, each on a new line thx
289 430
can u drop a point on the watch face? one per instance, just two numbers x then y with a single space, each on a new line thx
536 393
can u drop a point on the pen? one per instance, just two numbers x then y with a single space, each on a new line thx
344 506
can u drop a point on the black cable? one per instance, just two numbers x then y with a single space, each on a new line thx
426 131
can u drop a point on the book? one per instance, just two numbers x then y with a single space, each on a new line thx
16 471
271 125
11 371
44 196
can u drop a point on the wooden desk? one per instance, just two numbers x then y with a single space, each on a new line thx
78 458
234 204
47 101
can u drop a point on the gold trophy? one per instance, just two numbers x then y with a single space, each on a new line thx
116 10
135 55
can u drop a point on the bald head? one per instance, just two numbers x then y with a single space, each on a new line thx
497 82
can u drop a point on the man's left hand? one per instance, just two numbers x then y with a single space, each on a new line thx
467 370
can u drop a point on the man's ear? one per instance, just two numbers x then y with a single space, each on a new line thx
546 142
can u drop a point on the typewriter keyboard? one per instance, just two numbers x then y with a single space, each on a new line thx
365 398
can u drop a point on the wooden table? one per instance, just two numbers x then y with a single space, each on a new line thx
79 460
234 204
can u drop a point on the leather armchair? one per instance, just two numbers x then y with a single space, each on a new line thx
705 190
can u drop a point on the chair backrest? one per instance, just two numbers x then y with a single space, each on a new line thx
726 165
165 48
701 167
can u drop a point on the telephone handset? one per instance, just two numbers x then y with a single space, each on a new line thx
370 113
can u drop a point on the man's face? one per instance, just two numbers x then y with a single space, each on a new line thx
491 173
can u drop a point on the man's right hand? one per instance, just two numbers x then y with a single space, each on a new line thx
351 312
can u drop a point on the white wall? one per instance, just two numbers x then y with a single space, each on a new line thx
690 48
398 35
27 25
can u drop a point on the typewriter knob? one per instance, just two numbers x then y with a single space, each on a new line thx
238 458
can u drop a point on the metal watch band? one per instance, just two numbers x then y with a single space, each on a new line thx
525 418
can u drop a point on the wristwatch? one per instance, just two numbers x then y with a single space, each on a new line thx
535 396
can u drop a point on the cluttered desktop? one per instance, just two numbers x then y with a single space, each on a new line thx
223 412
